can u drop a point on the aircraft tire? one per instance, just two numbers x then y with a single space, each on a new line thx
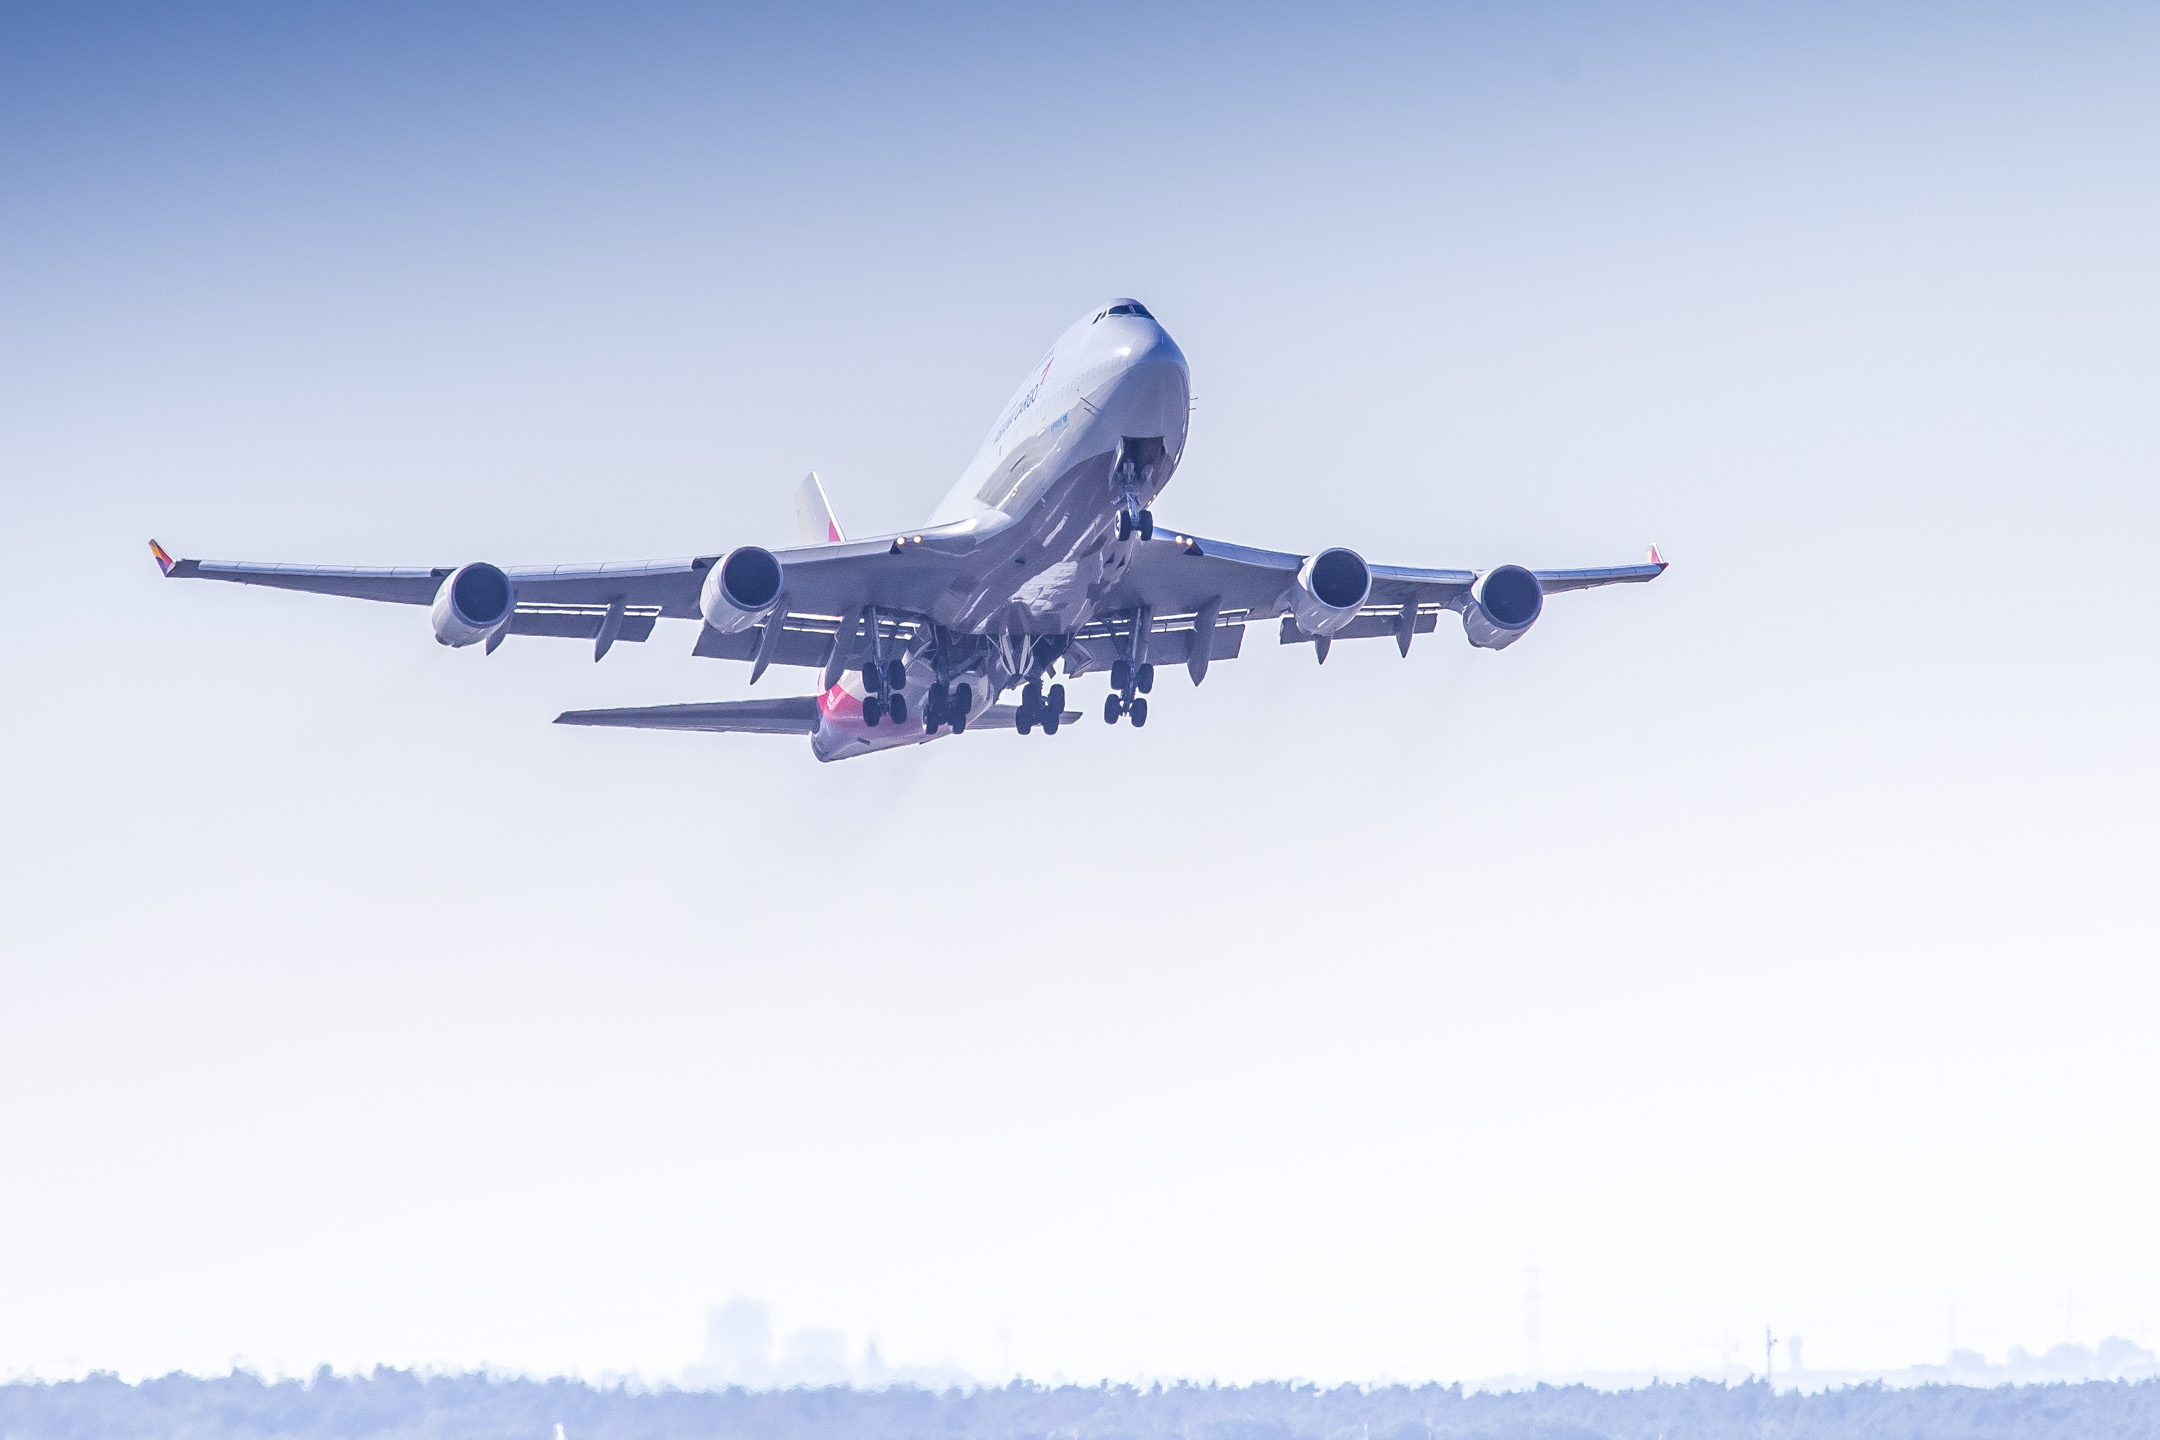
1110 709
1139 712
897 706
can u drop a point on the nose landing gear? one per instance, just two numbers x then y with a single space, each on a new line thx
1134 471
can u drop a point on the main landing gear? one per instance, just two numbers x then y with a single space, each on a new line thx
1040 707
1128 522
947 706
1126 679
884 692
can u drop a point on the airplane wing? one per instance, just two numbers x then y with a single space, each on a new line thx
1195 595
1191 587
827 587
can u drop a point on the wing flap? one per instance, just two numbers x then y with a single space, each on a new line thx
572 622
1169 642
1367 626
804 640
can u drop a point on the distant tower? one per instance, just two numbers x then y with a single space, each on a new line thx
1769 1343
1533 1326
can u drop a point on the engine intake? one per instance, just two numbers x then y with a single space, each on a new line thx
1331 589
474 601
1504 603
741 590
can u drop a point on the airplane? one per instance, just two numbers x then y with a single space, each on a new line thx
1045 555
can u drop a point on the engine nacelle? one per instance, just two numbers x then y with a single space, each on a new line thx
474 601
1504 602
1331 589
741 590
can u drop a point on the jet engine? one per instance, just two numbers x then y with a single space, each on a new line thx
1331 588
741 590
472 604
1504 602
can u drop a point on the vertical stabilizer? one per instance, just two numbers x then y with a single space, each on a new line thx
813 514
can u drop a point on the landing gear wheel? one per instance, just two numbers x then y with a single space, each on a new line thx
1056 703
1031 693
1147 525
896 675
1144 679
1050 721
1139 713
872 679
963 700
897 708
1110 709
873 710
1121 675
1124 524
1025 720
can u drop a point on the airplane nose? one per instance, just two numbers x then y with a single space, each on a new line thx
1152 346
1153 390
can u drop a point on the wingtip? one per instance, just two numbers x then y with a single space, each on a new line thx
165 562
1656 559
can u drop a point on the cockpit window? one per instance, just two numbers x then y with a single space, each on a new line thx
1128 307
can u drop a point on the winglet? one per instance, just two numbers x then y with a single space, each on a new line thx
1657 559
165 562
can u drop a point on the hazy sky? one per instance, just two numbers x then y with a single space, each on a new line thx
1771 945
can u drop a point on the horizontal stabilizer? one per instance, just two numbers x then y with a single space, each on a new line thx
787 715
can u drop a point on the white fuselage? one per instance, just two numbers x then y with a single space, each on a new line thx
1039 504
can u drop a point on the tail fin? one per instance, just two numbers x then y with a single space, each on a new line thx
813 514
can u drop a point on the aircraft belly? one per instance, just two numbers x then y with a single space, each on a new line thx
1037 576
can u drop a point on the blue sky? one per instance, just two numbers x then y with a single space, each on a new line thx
1771 945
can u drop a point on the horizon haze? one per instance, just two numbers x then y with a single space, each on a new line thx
1768 946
